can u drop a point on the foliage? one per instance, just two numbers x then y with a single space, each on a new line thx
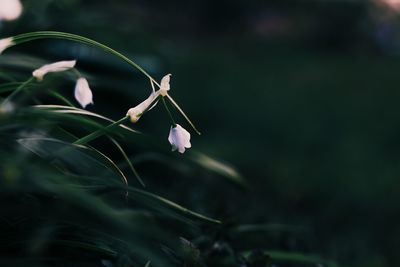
66 201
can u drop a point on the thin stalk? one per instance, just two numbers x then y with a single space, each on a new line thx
125 156
182 113
27 37
168 111
77 73
90 137
62 98
19 89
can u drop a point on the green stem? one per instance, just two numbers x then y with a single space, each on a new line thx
77 73
86 139
182 113
168 111
19 89
27 37
62 98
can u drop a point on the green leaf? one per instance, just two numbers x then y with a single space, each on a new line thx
218 167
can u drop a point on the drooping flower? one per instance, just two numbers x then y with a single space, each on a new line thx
136 112
179 138
83 94
54 67
10 9
164 85
5 43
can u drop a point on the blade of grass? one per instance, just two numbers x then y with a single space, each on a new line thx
73 110
27 37
172 205
67 146
11 86
128 161
100 132
61 98
218 167
18 89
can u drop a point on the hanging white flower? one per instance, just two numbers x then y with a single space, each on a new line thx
54 67
5 43
10 9
83 94
164 85
136 112
179 138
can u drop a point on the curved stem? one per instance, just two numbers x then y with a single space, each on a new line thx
86 139
61 97
168 111
27 37
182 113
19 89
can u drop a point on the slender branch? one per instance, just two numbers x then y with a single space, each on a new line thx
19 89
182 113
90 137
27 37
168 111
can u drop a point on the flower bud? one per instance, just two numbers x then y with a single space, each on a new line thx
83 94
54 67
136 112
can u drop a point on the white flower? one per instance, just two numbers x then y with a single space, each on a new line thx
83 94
164 85
5 43
179 138
10 9
54 67
136 112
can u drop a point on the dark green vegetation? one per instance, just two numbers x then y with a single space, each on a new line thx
309 117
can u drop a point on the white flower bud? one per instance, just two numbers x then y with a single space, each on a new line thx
136 112
83 94
54 67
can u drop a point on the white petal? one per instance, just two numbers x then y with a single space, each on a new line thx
10 9
83 94
136 112
5 43
179 138
164 85
54 67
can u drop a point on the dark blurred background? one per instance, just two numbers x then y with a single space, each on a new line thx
302 97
